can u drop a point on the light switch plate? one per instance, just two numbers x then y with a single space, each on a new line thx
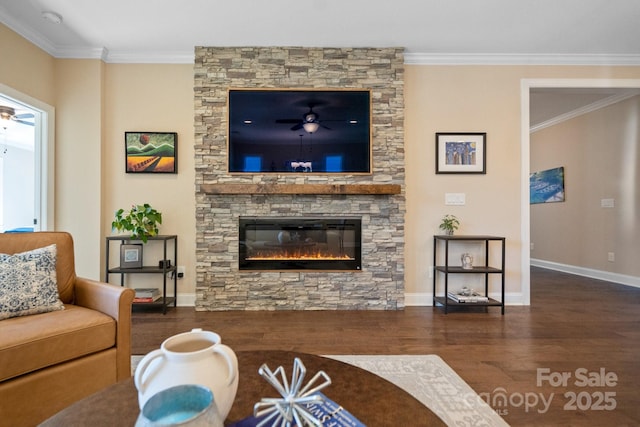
454 199
607 203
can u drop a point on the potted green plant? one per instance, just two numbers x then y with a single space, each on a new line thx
449 224
141 221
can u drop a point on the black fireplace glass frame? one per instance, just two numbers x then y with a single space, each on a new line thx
299 224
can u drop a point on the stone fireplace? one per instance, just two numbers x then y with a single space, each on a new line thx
376 280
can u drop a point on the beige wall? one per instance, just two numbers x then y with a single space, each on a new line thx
26 68
461 99
152 98
78 158
600 152
160 97
472 99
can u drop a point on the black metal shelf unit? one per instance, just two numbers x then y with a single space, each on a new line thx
445 270
164 301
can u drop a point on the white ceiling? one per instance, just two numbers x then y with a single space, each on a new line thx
431 31
599 32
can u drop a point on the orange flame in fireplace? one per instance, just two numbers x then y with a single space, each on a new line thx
297 255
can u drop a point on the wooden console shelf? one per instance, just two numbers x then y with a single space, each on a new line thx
445 269
375 189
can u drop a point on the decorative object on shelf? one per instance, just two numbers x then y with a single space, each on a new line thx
142 221
131 255
147 295
151 152
449 224
196 357
467 261
188 405
291 409
467 295
462 152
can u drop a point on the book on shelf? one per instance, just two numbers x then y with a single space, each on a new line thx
147 299
328 412
473 297
147 292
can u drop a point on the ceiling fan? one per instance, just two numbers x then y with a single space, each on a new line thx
310 121
9 113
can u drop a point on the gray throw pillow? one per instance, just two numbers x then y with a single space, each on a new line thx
28 283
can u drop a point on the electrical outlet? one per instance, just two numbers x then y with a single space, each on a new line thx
611 257
531 246
181 271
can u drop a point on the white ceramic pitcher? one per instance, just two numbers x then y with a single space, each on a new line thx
195 357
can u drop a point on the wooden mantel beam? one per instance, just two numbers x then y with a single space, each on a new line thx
373 189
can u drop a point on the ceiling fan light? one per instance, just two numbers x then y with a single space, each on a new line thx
6 114
311 127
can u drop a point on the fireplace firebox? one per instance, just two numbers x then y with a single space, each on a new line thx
299 243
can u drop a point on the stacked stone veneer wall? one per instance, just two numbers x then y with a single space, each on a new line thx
219 283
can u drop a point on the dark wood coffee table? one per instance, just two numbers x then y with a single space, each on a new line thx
370 398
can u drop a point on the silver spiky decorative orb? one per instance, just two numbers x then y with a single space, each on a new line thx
291 409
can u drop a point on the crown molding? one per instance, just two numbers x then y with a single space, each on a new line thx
188 57
610 100
148 57
417 58
519 59
101 53
27 32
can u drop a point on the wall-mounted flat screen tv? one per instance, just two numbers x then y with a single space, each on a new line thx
299 131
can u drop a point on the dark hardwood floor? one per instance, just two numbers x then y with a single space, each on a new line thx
575 326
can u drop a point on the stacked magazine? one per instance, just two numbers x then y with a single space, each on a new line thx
146 294
470 297
328 412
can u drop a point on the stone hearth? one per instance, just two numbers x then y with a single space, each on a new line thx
222 198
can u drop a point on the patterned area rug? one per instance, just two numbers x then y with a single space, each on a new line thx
430 380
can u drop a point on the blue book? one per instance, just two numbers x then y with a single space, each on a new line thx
326 410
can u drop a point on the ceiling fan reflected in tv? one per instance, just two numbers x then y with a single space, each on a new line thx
299 131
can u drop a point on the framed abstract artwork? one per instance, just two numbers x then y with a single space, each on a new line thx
547 186
151 152
461 152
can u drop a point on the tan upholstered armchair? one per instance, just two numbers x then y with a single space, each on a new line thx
50 360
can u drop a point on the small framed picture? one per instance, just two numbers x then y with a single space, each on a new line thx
462 152
131 255
151 152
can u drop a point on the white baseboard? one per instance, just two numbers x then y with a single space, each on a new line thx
186 300
588 272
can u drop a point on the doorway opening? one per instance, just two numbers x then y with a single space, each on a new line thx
527 86
26 163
